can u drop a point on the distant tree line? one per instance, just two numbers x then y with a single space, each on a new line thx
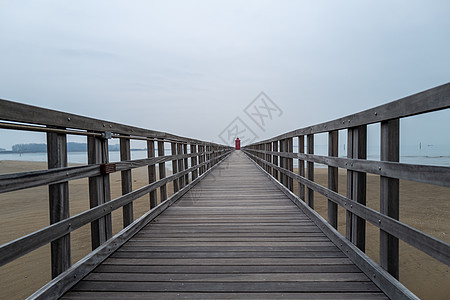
71 147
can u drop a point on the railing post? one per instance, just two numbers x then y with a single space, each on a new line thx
99 191
180 165
186 163
358 185
58 202
200 159
389 196
194 161
275 159
310 169
174 147
333 178
301 166
269 157
283 162
125 154
290 149
152 173
162 171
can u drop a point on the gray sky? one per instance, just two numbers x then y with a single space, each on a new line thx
191 67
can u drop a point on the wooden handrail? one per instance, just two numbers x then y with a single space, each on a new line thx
57 125
275 156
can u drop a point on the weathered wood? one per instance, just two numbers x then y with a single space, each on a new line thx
180 165
152 173
430 245
60 285
436 175
193 150
437 98
359 186
310 170
389 196
333 178
275 158
301 167
290 148
99 191
162 172
348 214
18 112
58 202
174 150
186 163
207 245
127 182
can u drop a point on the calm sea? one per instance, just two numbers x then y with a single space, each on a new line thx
428 157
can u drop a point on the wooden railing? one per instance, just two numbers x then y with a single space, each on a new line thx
276 156
57 125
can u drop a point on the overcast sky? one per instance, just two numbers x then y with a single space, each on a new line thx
192 67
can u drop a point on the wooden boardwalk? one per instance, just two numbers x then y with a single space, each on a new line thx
233 236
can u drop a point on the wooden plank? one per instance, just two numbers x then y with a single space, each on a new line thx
57 287
333 178
393 288
58 202
127 182
389 196
227 295
152 173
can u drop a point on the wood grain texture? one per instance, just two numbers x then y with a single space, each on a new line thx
228 236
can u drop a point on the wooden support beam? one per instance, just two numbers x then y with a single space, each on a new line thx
389 196
310 169
180 165
290 149
152 173
193 150
301 166
162 172
176 182
58 202
99 191
125 154
186 164
333 178
359 186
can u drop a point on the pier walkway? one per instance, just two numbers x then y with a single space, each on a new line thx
234 235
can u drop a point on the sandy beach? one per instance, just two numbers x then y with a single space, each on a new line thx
422 206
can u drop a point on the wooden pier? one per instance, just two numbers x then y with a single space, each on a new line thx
234 227
234 235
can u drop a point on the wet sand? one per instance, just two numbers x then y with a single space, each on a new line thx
422 206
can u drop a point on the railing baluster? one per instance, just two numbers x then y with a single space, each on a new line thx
58 202
389 196
180 165
175 183
290 149
275 159
194 161
186 163
162 171
359 186
99 191
301 166
125 154
152 173
310 169
333 178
